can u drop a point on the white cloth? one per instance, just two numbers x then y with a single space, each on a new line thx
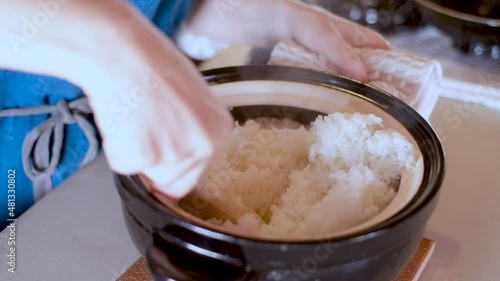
412 79
466 77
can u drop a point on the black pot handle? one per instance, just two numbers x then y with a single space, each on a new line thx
180 254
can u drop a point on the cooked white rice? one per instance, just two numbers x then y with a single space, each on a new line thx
287 181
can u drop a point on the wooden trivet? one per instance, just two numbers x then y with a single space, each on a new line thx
136 272
412 272
419 261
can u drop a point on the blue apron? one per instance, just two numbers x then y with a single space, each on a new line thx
63 134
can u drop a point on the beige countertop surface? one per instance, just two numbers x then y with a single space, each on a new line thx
77 231
466 222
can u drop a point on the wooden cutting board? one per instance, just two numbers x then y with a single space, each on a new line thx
412 272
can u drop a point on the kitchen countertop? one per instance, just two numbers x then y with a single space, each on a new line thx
77 232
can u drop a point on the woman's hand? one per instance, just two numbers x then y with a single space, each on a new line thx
155 112
158 117
265 22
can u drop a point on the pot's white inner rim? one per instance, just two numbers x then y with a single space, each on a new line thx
321 99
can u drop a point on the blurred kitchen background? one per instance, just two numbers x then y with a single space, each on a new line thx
463 35
385 16
473 25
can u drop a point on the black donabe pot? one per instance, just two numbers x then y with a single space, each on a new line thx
177 247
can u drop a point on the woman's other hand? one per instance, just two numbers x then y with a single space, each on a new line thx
265 22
